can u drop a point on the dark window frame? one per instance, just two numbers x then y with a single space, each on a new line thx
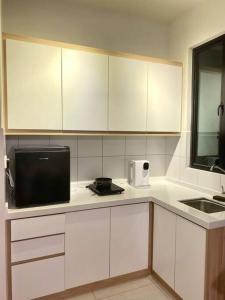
194 112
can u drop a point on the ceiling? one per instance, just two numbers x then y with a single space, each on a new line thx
161 10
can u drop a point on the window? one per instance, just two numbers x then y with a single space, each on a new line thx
208 113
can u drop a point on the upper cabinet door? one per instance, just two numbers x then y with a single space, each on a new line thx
127 94
164 97
33 86
85 90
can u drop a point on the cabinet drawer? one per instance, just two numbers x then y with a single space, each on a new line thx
35 248
38 278
35 227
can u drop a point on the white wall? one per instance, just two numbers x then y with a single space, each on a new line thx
205 22
65 20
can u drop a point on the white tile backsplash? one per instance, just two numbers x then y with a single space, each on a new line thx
209 180
89 146
173 166
136 145
33 140
188 174
89 168
156 145
113 146
66 141
157 165
73 169
114 166
173 146
110 156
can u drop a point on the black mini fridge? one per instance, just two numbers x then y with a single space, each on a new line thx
41 176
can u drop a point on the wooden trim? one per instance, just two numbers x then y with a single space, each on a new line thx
4 105
8 260
96 285
165 285
11 132
151 220
215 264
23 38
37 259
37 237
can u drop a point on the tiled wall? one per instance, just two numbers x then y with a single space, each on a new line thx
178 166
107 156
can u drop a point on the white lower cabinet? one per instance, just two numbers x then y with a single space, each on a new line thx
38 278
179 253
129 244
190 260
164 235
87 246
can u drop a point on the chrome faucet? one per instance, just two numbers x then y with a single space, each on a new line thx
215 166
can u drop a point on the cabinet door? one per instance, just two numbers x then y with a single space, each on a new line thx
164 97
190 260
33 86
129 244
127 94
164 236
38 278
85 90
87 246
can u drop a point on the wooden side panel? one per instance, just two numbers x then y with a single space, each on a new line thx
215 265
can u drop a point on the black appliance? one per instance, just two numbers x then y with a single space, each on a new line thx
42 175
103 186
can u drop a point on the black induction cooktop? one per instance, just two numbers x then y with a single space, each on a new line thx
111 190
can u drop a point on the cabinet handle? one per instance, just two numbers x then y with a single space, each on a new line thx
220 108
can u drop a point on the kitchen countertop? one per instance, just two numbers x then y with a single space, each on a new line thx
161 192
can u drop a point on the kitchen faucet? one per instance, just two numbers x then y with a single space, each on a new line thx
215 166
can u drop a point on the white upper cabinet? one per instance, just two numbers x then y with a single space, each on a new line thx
164 97
33 86
127 94
85 90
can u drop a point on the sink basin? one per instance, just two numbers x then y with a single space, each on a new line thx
204 205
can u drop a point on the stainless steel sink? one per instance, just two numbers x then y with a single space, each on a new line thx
204 205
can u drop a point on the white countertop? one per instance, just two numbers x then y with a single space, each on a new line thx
162 192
